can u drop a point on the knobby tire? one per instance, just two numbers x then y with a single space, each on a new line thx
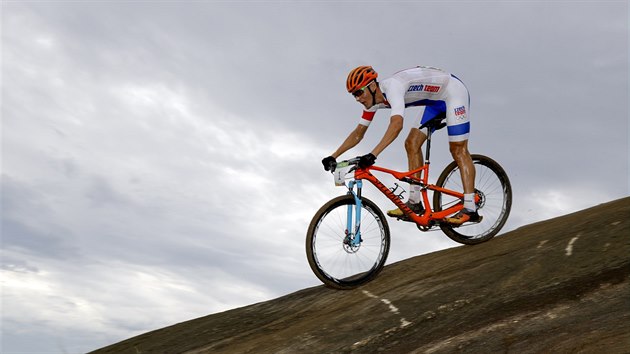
493 184
332 260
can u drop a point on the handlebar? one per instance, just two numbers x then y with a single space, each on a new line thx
354 161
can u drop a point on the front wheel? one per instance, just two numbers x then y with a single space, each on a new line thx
334 259
492 185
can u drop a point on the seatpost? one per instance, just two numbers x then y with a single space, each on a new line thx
428 154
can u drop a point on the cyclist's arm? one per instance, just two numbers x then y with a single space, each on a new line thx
352 140
394 128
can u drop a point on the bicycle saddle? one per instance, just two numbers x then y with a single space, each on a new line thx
434 124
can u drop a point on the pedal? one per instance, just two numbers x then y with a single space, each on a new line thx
471 221
400 218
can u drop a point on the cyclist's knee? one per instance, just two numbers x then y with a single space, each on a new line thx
411 145
414 141
459 149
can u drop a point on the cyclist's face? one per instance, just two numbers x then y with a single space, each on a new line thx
365 98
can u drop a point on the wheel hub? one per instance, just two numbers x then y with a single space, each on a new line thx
347 244
482 199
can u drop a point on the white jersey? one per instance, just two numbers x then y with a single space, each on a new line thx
428 87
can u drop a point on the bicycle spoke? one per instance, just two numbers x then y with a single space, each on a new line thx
492 186
334 258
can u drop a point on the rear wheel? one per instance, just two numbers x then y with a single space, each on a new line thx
332 257
492 185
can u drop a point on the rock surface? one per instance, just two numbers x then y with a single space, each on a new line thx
557 286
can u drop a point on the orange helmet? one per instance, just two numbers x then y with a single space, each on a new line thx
360 77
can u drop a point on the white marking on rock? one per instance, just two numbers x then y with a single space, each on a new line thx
542 243
569 248
393 309
369 294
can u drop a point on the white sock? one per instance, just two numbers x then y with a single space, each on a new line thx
414 195
469 202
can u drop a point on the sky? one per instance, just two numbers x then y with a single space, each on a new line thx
161 160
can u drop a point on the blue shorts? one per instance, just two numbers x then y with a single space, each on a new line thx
454 108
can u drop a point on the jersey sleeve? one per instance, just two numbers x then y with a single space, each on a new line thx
366 117
396 98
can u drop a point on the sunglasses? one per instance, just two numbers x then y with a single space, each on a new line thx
360 91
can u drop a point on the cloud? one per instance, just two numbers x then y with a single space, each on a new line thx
161 161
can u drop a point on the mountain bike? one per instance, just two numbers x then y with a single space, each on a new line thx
348 239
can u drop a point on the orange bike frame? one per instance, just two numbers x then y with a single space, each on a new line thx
429 215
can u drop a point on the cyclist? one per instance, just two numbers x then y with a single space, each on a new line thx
438 94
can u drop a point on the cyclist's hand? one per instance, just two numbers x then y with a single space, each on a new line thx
367 160
329 163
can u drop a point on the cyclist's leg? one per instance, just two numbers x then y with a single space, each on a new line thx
461 155
416 139
457 111
413 146
458 126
